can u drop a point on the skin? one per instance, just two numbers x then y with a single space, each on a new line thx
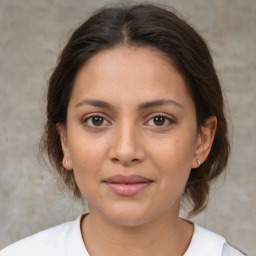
128 139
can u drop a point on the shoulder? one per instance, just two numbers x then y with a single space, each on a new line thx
41 243
231 250
205 242
55 241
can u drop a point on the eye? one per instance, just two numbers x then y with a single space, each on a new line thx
160 121
95 121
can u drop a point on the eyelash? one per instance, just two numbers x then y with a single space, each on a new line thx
90 116
166 118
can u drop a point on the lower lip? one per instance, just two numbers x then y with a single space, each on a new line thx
127 189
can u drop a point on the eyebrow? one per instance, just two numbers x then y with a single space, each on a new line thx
144 105
96 103
161 102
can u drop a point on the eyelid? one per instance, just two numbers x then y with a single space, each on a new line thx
170 118
161 114
90 115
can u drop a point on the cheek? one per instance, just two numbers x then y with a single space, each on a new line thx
173 160
87 155
174 153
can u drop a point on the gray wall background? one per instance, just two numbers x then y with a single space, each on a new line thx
31 36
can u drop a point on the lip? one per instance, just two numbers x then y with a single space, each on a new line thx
127 185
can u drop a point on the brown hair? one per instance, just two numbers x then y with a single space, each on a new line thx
142 25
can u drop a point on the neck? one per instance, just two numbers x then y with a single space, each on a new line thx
162 236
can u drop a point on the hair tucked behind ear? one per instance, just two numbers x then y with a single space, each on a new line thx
143 25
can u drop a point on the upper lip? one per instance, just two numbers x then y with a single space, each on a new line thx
131 179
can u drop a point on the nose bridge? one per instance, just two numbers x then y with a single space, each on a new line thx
127 147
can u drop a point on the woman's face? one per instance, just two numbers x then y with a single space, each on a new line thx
131 135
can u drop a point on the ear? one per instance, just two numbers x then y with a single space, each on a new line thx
204 141
66 162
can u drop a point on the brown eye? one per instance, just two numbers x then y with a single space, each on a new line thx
97 120
159 120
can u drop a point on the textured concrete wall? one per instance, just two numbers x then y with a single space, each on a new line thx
31 35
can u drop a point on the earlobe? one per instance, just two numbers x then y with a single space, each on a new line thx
204 142
66 162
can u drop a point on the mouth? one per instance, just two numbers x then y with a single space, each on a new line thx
127 185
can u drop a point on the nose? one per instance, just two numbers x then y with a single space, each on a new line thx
126 146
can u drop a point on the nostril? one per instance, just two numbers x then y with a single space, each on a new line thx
115 159
134 160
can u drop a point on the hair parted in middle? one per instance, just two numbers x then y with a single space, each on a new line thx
142 25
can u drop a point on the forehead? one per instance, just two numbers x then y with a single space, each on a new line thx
126 73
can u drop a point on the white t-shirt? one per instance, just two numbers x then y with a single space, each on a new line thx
66 240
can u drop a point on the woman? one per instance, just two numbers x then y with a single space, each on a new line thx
135 124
